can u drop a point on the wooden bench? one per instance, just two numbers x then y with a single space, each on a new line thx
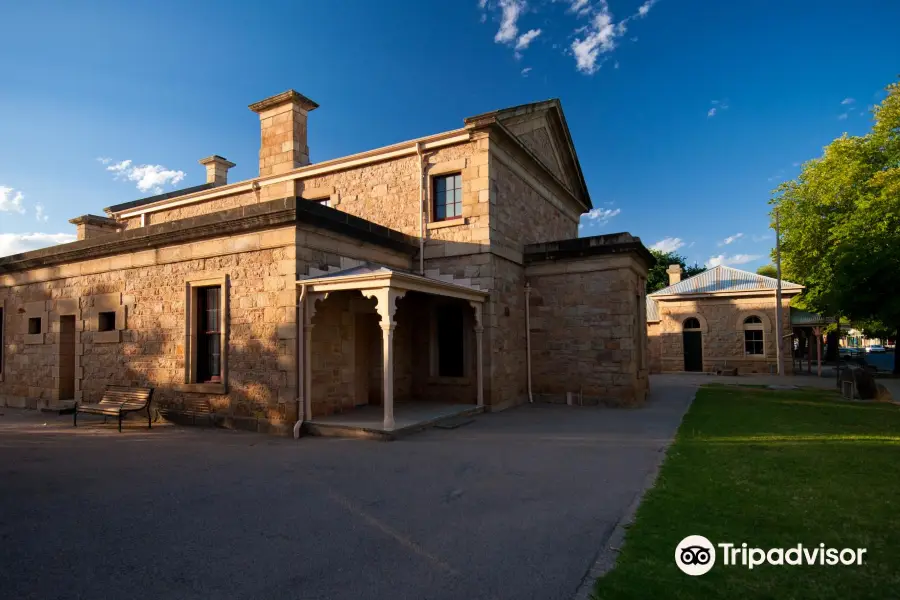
118 400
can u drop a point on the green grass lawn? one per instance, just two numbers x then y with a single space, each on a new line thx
772 469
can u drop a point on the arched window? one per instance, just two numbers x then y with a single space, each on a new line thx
753 336
691 324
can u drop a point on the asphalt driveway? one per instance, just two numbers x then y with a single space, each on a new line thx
515 505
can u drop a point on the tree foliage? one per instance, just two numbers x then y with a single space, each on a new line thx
768 271
657 278
840 223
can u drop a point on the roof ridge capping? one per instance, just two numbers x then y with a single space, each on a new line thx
723 278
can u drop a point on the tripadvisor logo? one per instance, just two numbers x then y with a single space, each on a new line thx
696 555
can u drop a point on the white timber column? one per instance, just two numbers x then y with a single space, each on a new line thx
387 307
310 311
479 369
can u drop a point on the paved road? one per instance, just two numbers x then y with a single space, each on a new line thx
515 505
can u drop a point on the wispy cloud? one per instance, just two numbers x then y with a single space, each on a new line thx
761 238
669 244
843 116
601 216
11 200
103 160
846 101
731 239
511 10
39 213
526 38
14 243
147 178
600 38
580 7
736 259
717 107
645 8
526 71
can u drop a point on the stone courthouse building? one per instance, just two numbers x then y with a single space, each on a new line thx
723 318
442 270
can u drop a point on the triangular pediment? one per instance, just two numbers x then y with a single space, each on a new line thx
541 128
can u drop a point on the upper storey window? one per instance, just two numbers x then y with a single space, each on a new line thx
447 197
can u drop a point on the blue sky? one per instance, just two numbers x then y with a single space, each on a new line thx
685 113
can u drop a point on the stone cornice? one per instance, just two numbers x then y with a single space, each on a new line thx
286 211
616 243
282 98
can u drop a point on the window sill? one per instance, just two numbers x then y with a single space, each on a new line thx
447 223
202 388
107 337
34 338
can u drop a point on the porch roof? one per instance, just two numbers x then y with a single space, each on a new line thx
375 276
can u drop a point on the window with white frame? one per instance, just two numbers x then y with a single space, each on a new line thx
753 336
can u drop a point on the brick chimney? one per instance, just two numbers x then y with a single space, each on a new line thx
216 169
674 272
282 121
91 226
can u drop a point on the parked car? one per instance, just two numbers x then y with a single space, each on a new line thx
875 348
845 351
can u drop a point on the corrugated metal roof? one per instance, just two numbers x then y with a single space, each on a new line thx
652 310
725 279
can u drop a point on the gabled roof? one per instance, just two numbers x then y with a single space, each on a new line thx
560 135
722 279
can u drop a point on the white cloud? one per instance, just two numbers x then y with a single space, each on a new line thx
39 213
511 11
147 177
14 243
717 107
731 238
616 65
580 7
602 215
669 244
761 238
526 38
104 160
526 71
600 39
737 259
11 200
645 8
848 101
843 116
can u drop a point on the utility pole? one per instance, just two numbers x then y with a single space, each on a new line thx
779 326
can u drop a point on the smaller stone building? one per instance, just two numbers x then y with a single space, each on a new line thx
721 318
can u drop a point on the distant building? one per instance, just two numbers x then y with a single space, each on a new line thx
721 318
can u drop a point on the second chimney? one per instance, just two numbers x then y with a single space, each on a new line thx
674 272
282 121
216 169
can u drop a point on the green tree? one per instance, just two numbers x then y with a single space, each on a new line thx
657 278
768 271
840 224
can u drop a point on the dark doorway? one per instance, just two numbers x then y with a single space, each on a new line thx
67 357
693 351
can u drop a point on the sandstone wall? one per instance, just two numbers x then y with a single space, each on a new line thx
588 333
654 347
722 333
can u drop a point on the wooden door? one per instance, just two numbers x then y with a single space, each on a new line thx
693 351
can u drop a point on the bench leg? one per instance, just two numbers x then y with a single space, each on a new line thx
120 422
149 419
75 417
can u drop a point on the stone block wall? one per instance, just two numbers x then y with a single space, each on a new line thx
722 332
587 333
654 347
